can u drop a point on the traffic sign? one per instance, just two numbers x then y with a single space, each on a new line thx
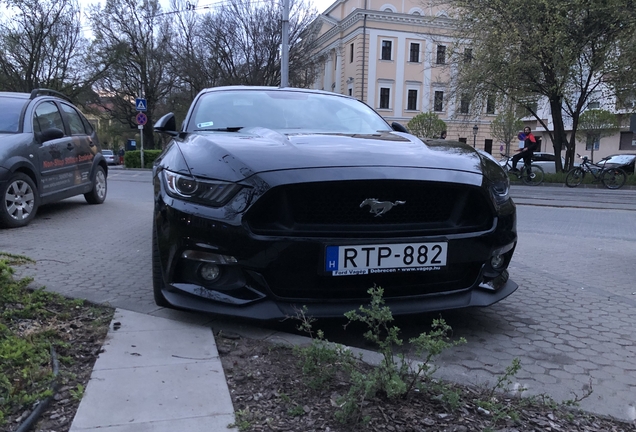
141 119
140 104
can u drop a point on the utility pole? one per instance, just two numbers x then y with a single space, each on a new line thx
284 60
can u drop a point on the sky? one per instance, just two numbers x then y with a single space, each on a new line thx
320 5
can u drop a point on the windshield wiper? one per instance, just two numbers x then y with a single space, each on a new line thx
225 129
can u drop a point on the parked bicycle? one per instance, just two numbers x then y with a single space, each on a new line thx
612 178
529 174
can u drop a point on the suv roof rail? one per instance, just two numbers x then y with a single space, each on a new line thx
39 91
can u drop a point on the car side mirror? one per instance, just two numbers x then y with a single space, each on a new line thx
399 128
49 134
167 125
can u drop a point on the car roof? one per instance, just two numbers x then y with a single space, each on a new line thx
15 95
280 89
37 92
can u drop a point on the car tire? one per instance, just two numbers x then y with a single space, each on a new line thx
19 201
157 276
97 195
574 177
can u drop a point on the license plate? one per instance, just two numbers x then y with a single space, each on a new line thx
386 258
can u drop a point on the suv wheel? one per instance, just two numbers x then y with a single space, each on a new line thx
19 201
98 194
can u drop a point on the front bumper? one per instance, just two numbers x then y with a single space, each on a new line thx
274 277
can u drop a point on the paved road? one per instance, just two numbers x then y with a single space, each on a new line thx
571 323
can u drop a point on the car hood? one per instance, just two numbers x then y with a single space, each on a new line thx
236 156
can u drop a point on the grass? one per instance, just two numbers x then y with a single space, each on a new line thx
31 322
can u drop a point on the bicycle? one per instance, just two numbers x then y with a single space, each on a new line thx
529 174
612 178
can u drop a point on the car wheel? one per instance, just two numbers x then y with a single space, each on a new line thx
20 201
98 194
157 276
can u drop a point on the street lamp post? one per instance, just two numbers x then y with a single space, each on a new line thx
475 130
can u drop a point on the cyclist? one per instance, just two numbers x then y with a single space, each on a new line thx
530 145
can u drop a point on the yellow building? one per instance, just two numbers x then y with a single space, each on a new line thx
395 56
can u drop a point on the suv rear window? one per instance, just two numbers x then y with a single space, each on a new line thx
10 118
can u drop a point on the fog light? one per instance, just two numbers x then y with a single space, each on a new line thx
497 261
210 272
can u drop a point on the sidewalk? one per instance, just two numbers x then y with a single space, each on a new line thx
157 375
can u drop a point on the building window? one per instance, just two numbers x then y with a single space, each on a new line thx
463 140
385 94
594 105
414 56
464 104
438 104
490 105
592 142
386 50
411 103
628 141
441 54
468 55
350 92
351 53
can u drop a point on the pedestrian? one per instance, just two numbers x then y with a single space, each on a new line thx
121 156
442 135
530 144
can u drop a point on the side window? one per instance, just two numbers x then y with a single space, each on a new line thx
47 116
74 120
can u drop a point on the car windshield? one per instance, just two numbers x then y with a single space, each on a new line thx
618 159
107 152
10 119
285 111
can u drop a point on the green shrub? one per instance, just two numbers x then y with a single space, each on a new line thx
132 159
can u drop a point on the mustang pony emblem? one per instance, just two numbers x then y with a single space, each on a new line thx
378 208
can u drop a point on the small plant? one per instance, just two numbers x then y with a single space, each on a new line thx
505 381
78 392
243 420
394 376
296 411
321 360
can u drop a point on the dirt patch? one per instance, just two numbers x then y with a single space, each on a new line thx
270 393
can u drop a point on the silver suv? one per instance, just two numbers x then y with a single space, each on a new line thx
48 152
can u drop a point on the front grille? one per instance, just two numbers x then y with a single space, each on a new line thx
333 208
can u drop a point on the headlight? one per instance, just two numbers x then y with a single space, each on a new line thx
212 193
500 190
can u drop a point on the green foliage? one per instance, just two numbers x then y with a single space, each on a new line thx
243 420
321 360
394 377
426 125
26 337
296 411
561 52
595 124
132 159
506 126
78 392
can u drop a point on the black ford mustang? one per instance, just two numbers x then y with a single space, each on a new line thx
269 200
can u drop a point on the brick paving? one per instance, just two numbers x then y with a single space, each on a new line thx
571 323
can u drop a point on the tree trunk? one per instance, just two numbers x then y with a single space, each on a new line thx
560 137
